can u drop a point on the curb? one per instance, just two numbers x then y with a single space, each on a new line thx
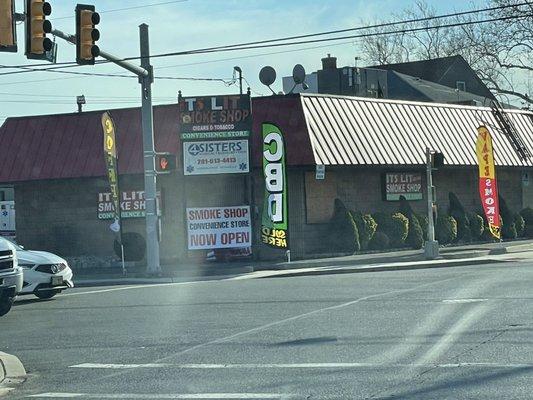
12 373
382 268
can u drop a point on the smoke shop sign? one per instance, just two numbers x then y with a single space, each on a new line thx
219 227
132 204
407 184
215 117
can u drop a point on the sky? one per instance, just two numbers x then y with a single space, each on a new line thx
187 25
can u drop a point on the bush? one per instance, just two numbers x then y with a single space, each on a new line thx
446 229
457 211
395 226
366 227
508 224
519 224
415 236
477 226
423 221
344 233
527 214
380 241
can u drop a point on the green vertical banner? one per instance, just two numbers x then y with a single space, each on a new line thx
275 220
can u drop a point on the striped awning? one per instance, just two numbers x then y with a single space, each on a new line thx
362 131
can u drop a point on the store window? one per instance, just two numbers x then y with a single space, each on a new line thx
320 196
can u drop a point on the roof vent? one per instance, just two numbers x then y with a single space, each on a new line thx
329 62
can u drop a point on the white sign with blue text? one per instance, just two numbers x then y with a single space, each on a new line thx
216 157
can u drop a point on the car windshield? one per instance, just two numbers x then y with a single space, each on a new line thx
266 199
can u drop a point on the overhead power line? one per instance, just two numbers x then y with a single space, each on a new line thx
129 8
245 46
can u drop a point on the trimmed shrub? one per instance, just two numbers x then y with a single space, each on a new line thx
380 241
520 224
344 233
457 211
366 227
508 224
423 221
395 226
446 229
527 214
477 226
415 235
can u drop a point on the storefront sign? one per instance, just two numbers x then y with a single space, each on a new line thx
215 117
488 188
407 184
132 204
219 228
215 157
274 227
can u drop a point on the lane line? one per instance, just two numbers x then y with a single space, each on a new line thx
290 319
155 285
205 396
303 365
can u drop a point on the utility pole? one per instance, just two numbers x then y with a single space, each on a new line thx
146 78
431 249
239 71
150 178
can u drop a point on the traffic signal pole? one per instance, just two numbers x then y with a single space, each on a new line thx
146 78
431 249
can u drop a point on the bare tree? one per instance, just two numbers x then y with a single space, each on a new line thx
501 52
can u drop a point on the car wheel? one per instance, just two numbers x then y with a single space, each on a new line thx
45 294
5 306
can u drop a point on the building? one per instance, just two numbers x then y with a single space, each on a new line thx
55 166
440 80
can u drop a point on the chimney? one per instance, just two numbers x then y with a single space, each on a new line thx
329 62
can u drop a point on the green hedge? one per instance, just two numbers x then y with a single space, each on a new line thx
366 225
415 235
343 230
508 223
380 241
446 229
395 226
519 224
527 214
477 226
457 211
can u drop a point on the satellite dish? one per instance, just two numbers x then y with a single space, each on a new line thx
267 75
298 74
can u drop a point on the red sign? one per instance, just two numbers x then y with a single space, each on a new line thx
488 188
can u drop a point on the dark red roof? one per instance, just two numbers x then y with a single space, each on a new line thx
286 112
70 145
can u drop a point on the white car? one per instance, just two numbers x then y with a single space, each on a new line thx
10 276
45 274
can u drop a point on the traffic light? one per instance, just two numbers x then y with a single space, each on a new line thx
165 163
37 26
8 38
86 34
437 160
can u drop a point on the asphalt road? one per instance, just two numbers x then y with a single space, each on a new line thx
450 333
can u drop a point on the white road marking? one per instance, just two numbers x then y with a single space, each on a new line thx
191 396
460 301
302 365
116 289
453 334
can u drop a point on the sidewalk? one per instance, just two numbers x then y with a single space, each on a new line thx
12 373
403 259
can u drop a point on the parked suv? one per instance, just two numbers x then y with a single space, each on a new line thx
10 276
